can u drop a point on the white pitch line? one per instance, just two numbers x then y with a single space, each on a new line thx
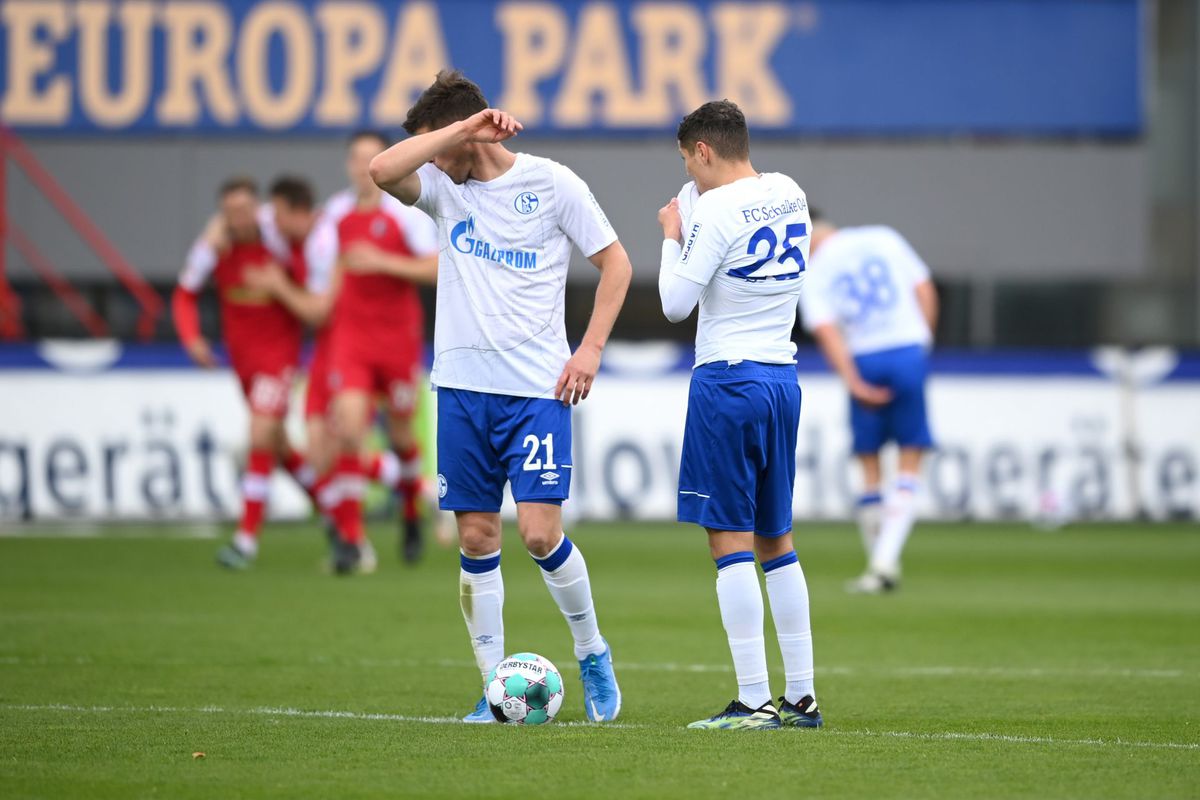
1012 739
948 736
909 672
894 672
265 711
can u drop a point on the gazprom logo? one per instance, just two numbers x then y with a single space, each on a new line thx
462 239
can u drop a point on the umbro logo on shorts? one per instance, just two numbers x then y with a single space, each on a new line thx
549 478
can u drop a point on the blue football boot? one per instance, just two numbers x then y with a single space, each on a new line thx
481 715
601 695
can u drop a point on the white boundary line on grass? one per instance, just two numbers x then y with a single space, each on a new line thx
948 736
893 672
899 672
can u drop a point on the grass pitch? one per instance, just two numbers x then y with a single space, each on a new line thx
1012 663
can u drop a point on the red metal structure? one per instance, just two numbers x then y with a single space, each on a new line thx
151 304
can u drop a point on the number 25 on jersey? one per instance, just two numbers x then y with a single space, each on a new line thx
793 234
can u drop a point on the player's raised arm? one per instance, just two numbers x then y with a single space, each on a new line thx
680 293
395 169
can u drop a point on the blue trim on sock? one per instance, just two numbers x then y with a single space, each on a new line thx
478 566
558 557
781 561
908 484
870 499
735 558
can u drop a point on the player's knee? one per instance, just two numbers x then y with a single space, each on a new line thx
265 432
478 537
771 547
541 539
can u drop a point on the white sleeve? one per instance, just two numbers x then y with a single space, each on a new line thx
914 267
679 295
320 256
815 307
272 237
687 198
433 182
338 206
201 261
420 232
579 215
704 247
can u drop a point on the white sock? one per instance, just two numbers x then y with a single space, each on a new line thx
870 519
741 605
566 576
899 513
788 592
389 468
481 595
246 543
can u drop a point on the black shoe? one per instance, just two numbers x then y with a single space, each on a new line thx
412 540
346 558
803 714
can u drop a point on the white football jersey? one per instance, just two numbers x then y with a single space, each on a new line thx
747 244
505 245
862 280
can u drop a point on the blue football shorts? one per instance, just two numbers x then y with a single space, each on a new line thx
486 440
739 447
903 420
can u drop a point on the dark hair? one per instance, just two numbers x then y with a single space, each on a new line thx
721 125
384 140
450 98
295 191
238 183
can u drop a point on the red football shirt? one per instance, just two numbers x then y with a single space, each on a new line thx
371 306
255 325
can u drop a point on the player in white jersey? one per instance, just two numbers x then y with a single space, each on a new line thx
872 308
736 242
504 374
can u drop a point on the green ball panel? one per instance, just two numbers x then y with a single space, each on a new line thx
536 717
553 682
515 685
537 695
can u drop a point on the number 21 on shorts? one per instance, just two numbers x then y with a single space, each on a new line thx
534 461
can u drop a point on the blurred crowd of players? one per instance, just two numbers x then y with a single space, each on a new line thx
347 270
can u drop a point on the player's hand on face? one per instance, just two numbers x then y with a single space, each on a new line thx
671 220
575 383
492 125
268 278
869 394
201 353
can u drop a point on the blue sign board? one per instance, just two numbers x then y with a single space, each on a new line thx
835 67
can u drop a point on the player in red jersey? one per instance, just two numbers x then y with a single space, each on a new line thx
263 340
376 341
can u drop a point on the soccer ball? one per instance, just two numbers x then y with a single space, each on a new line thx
525 689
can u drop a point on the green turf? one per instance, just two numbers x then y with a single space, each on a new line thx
1013 663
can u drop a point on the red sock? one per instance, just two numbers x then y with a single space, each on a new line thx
293 461
347 514
255 488
324 496
409 485
373 467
